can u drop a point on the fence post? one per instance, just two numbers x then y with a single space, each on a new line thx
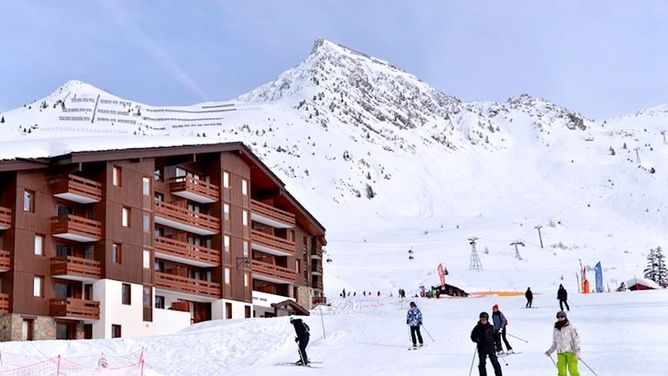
58 367
141 361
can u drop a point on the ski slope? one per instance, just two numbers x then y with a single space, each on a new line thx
622 335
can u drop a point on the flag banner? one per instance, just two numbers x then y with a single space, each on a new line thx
599 277
441 274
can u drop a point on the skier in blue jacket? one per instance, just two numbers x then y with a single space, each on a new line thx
414 320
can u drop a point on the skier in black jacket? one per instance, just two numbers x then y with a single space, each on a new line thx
303 335
562 296
529 296
483 335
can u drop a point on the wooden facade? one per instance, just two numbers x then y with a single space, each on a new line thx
199 223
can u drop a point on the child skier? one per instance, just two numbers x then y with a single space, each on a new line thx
414 320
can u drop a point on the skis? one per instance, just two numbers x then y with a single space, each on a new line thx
415 347
506 354
309 365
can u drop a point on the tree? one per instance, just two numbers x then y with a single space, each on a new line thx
656 267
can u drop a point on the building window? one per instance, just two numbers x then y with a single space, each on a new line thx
115 331
125 294
147 259
245 248
116 176
180 172
227 276
244 217
146 186
116 254
146 223
29 201
244 187
226 243
157 174
125 217
226 179
245 279
159 302
39 245
38 286
226 211
158 197
247 310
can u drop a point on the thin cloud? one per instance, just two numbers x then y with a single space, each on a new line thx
152 48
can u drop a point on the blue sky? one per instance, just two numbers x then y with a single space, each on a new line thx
597 57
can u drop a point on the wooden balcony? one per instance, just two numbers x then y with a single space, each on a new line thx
194 189
76 228
5 261
271 216
272 273
186 285
271 244
185 253
4 303
181 306
186 220
317 285
72 308
75 269
78 189
319 300
316 268
5 218
316 254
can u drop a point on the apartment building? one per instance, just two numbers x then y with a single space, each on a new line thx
146 241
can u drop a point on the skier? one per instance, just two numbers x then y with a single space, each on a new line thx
414 320
500 323
562 296
302 331
529 296
483 335
566 341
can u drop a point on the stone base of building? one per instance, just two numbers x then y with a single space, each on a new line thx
14 327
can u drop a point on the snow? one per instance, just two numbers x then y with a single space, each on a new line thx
621 335
442 171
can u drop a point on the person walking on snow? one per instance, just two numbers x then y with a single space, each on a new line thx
500 323
529 296
414 320
566 341
483 335
562 296
303 335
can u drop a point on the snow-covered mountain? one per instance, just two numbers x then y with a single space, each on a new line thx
371 149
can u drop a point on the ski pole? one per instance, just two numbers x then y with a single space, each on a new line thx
504 360
553 362
587 365
473 360
516 337
426 331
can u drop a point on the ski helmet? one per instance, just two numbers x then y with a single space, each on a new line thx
292 318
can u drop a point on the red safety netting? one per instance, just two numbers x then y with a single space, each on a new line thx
80 365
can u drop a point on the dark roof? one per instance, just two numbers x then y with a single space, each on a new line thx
291 306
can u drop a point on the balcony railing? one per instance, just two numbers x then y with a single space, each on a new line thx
75 268
194 189
271 216
75 308
5 218
273 273
5 261
317 285
76 228
78 189
316 254
319 300
272 244
4 303
184 219
187 285
316 268
174 250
